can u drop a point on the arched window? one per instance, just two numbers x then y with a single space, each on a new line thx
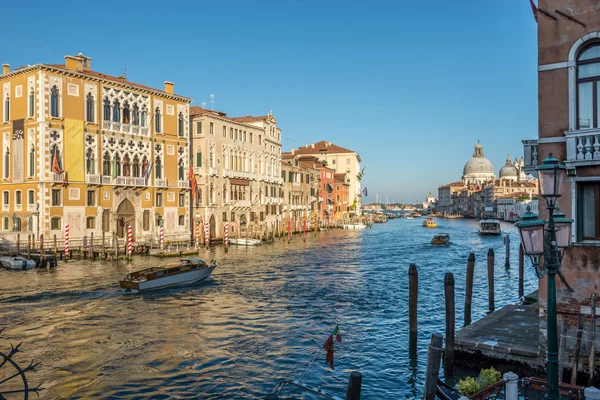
90 163
106 109
17 224
54 106
126 113
6 163
89 108
145 167
588 86
7 109
181 170
126 165
157 120
180 125
144 117
158 168
32 161
30 223
106 164
135 115
116 111
116 165
136 167
31 103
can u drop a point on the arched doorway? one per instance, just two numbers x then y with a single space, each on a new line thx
125 217
213 227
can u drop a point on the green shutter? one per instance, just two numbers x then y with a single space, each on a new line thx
579 212
199 159
199 128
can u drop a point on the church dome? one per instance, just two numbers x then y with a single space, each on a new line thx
478 169
509 170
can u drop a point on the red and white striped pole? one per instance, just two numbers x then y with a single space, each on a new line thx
197 235
130 241
66 240
206 236
226 239
289 230
161 238
305 229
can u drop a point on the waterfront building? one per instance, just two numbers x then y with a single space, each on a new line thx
568 86
97 152
430 203
300 190
493 190
341 160
512 206
324 189
237 168
446 196
478 169
341 195
465 201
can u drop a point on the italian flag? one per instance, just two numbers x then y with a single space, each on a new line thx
329 345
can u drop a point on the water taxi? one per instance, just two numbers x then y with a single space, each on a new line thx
188 270
429 223
245 242
441 239
489 227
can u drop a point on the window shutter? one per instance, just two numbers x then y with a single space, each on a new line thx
579 213
199 159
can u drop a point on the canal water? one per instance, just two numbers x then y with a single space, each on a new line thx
260 319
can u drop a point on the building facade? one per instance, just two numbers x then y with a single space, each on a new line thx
237 168
478 169
446 195
301 185
96 152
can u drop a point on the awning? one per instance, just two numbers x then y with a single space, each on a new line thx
240 182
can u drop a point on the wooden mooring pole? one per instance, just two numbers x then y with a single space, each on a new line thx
41 250
450 323
490 266
521 271
434 356
577 350
413 294
354 386
469 288
55 249
18 244
507 252
29 246
103 245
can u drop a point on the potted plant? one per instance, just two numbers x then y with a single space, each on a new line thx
489 382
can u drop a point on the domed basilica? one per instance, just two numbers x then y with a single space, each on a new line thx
479 169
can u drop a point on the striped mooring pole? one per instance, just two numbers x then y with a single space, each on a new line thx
305 229
289 230
197 235
161 238
206 234
226 239
66 240
130 241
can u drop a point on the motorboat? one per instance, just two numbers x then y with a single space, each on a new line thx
355 226
410 217
188 270
245 242
441 239
489 227
429 223
16 262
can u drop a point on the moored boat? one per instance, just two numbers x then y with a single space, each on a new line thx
355 226
16 262
441 239
489 227
245 242
188 270
429 223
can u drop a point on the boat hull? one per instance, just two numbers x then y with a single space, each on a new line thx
355 226
17 263
245 242
184 278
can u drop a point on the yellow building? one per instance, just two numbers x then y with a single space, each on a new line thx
93 151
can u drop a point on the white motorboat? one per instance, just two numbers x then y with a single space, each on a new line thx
410 217
245 242
355 226
16 262
489 227
188 270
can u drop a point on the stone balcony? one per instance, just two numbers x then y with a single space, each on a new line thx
530 156
31 207
212 171
583 148
184 184
162 183
57 178
92 179
198 171
118 127
296 184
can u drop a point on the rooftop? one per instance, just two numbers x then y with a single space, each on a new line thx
321 148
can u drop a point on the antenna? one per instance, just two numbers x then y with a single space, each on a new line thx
212 101
125 73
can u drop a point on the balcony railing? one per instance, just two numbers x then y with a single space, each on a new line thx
583 148
106 179
135 129
92 179
160 182
141 182
116 126
226 173
184 184
240 203
295 184
198 170
106 125
212 171
57 178
530 156
31 207
125 128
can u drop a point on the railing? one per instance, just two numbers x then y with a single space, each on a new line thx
120 181
106 125
92 179
583 148
296 184
212 171
226 173
57 178
185 184
135 129
125 128
160 182
240 203
31 207
141 182
116 126
198 170
530 156
106 179
144 131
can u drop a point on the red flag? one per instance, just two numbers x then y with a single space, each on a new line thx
55 167
192 180
534 10
329 348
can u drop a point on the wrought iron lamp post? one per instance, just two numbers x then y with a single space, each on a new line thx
548 239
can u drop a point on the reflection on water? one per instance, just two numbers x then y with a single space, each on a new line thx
258 320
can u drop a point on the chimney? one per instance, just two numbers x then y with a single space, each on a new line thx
5 68
74 63
293 151
328 144
169 87
306 145
312 146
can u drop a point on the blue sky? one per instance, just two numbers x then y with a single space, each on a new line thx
410 85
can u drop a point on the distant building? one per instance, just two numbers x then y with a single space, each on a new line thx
446 196
478 169
342 196
430 203
511 207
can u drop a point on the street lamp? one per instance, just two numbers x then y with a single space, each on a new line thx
548 239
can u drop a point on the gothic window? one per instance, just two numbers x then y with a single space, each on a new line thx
116 165
106 164
126 113
588 87
157 120
116 111
90 163
31 103
180 125
158 168
54 106
32 161
106 109
126 165
136 166
89 108
145 167
17 224
6 163
135 115
7 109
181 170
143 117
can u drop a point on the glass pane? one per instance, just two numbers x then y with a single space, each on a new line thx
589 211
588 70
590 53
586 105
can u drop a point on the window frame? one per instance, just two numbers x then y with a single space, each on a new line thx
580 211
59 227
595 80
52 202
87 222
93 197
